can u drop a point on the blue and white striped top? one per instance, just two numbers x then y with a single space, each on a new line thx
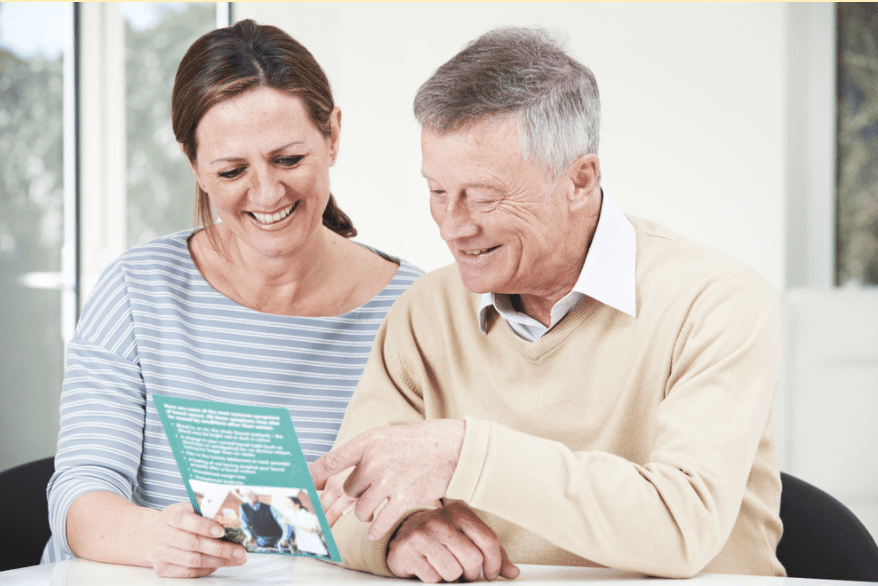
154 326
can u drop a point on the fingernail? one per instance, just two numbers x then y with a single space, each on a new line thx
348 510
217 531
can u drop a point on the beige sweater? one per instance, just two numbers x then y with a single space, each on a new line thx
645 444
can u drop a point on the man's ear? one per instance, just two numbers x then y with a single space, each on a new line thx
583 174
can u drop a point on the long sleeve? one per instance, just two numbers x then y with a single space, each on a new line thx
245 523
672 514
644 444
102 407
388 398
155 326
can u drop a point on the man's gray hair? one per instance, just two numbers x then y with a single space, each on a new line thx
521 73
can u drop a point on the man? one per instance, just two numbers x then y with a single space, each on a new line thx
262 524
583 388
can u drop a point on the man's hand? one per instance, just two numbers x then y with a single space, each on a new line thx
186 545
448 543
333 498
406 465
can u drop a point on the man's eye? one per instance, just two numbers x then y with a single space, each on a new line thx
232 173
289 161
484 204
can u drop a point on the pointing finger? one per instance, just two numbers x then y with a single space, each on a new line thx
335 461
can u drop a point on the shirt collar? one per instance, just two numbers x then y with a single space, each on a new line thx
607 274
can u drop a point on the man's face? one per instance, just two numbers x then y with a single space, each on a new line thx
503 221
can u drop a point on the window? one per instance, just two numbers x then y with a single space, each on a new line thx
87 149
857 211
31 225
161 189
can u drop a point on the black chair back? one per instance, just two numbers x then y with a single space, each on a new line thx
24 513
822 538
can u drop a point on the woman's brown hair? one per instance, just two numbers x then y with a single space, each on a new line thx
229 61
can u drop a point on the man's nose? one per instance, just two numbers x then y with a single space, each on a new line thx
455 219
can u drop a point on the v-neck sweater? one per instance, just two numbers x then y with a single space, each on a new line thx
641 443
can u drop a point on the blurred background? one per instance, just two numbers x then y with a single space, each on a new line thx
750 127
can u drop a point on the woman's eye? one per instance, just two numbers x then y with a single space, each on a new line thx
290 161
231 173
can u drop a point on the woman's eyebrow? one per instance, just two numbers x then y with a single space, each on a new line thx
275 151
288 145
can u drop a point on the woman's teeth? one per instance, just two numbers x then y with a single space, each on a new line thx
272 218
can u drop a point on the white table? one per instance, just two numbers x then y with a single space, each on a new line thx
298 571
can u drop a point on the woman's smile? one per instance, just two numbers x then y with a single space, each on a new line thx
266 171
275 217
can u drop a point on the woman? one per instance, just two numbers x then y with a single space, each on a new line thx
305 526
272 305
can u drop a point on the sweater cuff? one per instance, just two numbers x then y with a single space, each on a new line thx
472 460
375 552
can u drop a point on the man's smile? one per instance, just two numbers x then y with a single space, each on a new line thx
479 251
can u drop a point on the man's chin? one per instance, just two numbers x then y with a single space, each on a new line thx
474 283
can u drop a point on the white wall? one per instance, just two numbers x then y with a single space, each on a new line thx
831 340
693 99
718 121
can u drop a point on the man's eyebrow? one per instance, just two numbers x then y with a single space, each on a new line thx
489 186
275 151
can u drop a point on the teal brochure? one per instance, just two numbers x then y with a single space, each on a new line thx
243 468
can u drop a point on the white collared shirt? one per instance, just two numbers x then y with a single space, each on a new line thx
607 276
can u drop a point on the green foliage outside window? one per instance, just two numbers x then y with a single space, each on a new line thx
31 235
161 189
857 221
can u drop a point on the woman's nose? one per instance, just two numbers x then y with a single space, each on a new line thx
267 187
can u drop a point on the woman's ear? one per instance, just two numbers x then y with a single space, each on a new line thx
191 165
334 133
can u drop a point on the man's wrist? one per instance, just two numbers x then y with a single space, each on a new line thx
381 547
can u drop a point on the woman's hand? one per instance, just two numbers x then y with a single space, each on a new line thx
106 527
186 545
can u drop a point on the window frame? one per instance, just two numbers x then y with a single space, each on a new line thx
95 183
